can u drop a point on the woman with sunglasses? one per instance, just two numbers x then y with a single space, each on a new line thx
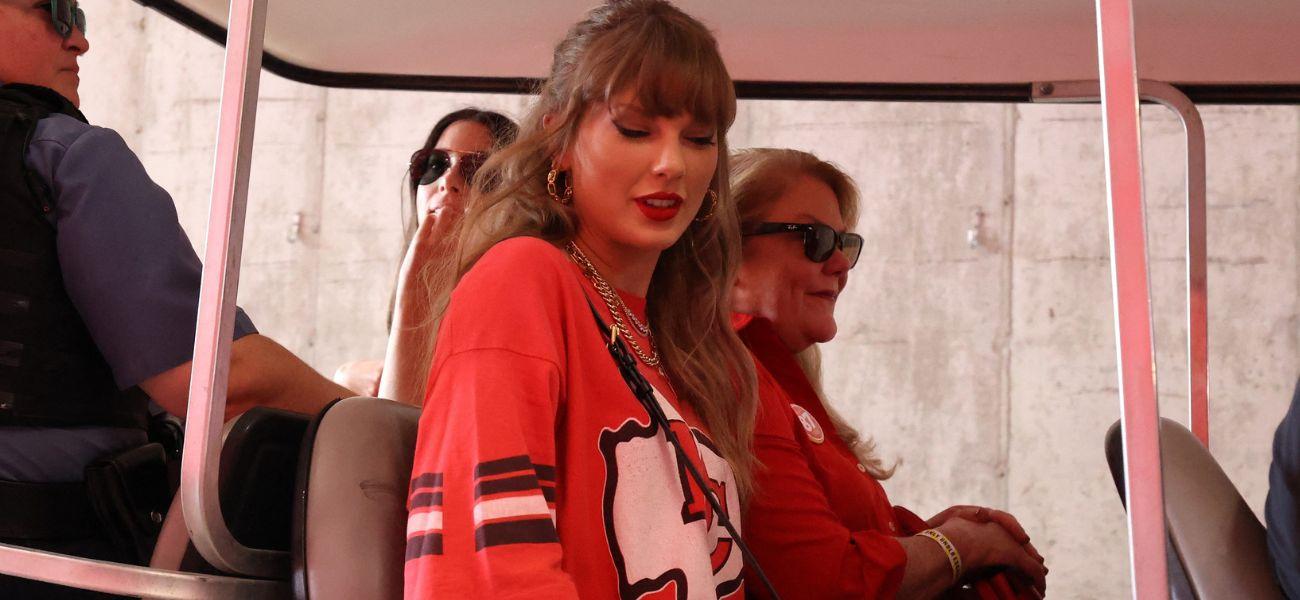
820 522
435 189
442 170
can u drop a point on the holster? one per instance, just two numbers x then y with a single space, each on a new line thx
130 493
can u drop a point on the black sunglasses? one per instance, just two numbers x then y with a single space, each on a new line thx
427 165
66 14
819 241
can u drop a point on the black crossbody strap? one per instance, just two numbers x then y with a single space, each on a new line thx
645 393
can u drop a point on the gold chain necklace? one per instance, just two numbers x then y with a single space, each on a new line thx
617 308
607 291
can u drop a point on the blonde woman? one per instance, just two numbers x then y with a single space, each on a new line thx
537 473
819 522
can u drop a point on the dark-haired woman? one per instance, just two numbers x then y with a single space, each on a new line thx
436 186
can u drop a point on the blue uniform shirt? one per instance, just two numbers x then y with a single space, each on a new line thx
129 269
1282 508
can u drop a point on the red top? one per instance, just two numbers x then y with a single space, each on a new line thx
537 473
820 526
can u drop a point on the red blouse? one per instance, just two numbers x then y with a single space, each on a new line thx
820 526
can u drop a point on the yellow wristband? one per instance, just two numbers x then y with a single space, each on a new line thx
954 559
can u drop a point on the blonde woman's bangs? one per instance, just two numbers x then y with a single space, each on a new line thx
673 70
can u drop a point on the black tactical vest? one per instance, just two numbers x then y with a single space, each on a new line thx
51 372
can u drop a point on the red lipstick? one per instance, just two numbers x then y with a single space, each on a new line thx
659 206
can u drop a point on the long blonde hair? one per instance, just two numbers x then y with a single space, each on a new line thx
760 176
673 65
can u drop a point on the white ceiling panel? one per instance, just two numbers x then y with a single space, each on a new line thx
1223 42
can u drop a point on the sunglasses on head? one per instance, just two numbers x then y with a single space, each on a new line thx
427 165
66 14
819 241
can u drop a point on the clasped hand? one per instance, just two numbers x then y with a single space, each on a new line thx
988 539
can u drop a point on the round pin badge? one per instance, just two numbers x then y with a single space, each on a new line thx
809 424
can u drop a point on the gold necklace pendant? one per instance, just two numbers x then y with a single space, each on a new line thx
617 308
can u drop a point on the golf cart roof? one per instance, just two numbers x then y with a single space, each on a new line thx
1215 51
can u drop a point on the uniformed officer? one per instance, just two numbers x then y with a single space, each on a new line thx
98 297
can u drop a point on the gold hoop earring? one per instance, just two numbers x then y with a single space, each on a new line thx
712 207
553 190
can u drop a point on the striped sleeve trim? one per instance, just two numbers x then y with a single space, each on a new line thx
425 500
424 523
508 508
427 480
424 545
527 531
514 503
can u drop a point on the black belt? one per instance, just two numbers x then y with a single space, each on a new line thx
46 511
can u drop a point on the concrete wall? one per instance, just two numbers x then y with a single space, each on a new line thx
989 371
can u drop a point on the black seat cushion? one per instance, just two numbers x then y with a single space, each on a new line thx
259 462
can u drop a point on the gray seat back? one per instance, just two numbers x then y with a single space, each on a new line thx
350 514
1219 549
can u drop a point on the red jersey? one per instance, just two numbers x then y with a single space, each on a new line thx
537 473
820 526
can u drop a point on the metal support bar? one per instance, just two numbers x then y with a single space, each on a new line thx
1198 343
130 580
1198 356
1132 298
207 397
